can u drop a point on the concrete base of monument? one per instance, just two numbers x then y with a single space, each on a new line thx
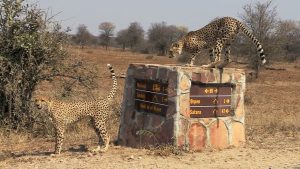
189 107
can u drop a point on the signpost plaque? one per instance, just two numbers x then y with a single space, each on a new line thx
151 96
210 100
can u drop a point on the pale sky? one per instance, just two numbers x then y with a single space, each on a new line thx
191 13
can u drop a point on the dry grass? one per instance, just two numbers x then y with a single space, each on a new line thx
165 150
274 98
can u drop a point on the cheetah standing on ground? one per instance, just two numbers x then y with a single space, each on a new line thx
64 113
214 36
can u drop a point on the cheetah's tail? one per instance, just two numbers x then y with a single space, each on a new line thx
259 48
114 85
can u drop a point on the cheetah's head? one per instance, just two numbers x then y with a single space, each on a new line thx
175 49
41 102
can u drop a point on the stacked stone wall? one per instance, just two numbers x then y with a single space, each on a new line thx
168 119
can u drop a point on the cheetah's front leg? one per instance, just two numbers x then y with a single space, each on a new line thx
227 59
59 139
191 60
217 55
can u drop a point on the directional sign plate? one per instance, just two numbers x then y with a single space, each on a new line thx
210 100
151 96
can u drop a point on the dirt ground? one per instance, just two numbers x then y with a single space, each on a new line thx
272 120
271 151
120 157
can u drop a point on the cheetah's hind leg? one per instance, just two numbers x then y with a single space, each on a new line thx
104 138
100 148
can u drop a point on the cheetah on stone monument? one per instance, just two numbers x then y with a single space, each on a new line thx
215 36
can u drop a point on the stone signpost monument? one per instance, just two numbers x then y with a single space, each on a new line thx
188 107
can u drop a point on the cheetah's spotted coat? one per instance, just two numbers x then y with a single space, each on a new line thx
64 113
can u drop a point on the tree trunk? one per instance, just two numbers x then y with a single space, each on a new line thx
124 47
10 102
3 105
